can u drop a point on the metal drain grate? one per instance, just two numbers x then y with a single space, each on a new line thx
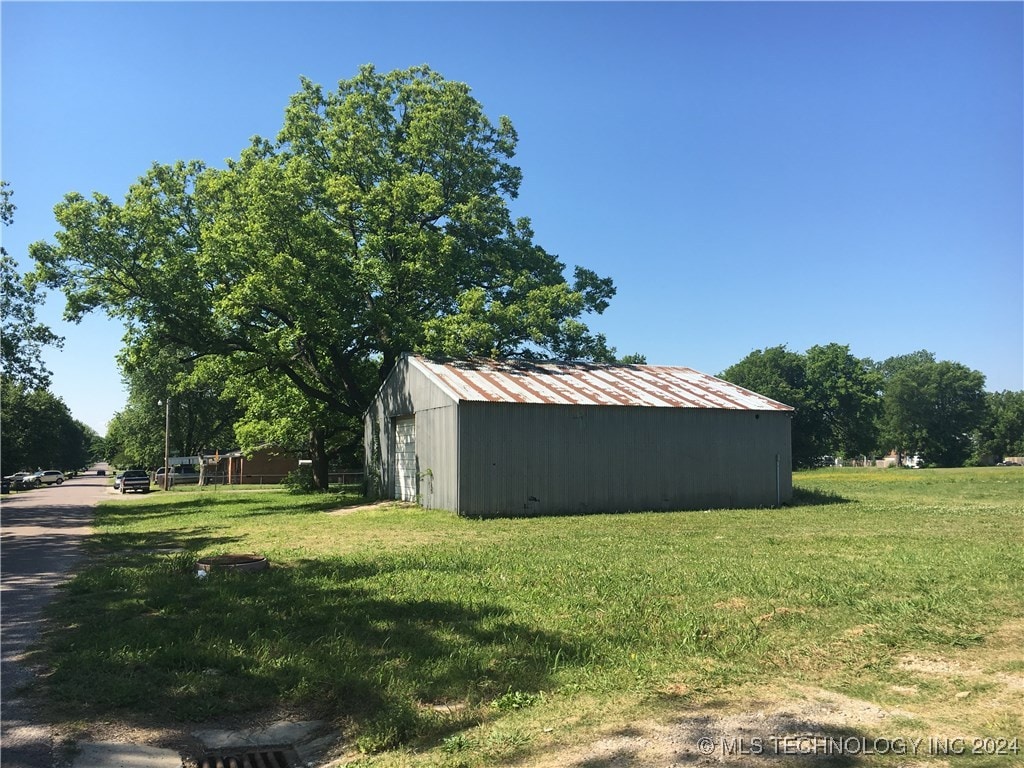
250 757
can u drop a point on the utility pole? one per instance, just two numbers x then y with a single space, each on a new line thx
167 440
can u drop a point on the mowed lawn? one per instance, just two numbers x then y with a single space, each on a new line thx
438 640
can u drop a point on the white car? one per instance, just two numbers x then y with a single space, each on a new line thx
49 477
21 480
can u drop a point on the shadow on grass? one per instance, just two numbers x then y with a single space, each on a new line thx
814 497
173 506
152 641
139 548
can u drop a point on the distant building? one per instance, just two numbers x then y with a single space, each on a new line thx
267 465
484 437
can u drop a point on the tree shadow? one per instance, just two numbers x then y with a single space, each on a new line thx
815 497
139 547
156 508
147 641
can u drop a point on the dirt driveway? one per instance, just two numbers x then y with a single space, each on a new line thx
41 535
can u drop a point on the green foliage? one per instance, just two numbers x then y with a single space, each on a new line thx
515 700
931 408
1002 430
458 742
388 729
22 337
300 480
376 224
135 436
202 416
633 359
274 411
845 394
848 406
39 431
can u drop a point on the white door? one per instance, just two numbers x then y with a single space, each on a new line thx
405 459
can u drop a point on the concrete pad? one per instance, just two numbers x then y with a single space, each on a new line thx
114 755
282 732
312 752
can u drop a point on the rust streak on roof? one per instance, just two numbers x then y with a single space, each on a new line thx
561 383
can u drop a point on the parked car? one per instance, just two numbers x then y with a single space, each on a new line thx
117 481
19 481
49 477
158 476
134 480
181 474
101 471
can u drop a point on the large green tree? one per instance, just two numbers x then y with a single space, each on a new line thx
22 336
275 412
135 437
1001 432
377 223
931 408
845 393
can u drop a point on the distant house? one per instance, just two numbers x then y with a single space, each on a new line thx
484 437
266 465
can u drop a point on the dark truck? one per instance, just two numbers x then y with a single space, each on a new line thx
135 480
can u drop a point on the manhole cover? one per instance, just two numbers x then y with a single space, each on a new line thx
233 563
250 757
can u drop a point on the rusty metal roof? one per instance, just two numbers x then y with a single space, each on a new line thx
560 383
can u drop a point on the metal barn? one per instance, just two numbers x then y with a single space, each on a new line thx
485 437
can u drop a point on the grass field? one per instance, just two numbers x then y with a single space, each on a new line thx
435 640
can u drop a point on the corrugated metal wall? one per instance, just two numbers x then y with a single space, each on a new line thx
484 458
407 392
538 459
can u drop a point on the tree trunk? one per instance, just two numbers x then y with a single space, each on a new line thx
389 358
318 454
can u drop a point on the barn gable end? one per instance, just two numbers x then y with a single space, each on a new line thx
410 400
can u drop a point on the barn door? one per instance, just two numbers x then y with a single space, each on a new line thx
405 459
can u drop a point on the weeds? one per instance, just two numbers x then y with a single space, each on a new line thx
515 700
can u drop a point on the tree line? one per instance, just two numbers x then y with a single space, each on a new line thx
267 300
39 431
935 411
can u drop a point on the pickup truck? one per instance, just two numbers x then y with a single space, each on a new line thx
135 480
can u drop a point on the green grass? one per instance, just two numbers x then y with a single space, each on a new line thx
457 637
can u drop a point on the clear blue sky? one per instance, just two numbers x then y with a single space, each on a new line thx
748 174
